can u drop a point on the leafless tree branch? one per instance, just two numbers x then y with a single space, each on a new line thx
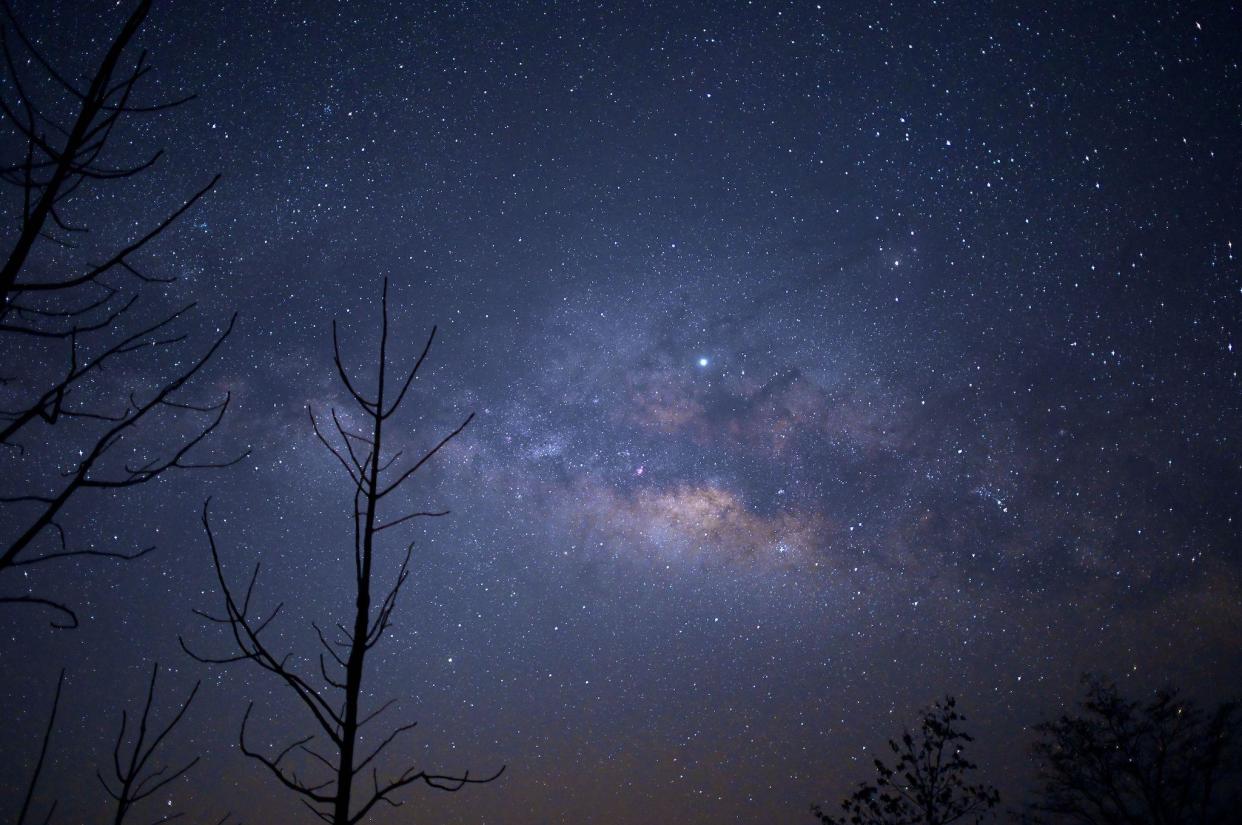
341 797
47 738
88 308
85 475
133 780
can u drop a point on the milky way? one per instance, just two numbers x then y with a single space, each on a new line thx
826 359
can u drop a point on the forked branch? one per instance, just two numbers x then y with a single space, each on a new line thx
134 778
333 786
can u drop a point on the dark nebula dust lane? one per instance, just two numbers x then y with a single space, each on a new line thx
826 359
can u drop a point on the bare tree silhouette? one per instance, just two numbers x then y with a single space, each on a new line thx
1119 761
59 157
81 316
134 778
341 722
929 783
28 798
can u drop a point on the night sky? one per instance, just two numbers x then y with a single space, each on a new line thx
826 358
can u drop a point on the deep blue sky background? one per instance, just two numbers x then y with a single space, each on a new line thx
827 358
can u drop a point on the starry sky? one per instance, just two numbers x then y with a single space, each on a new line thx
826 357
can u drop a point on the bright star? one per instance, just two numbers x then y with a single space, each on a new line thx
702 362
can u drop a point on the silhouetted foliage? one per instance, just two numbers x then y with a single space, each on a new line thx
341 721
1120 761
927 785
67 323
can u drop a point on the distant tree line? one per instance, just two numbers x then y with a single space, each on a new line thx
1116 760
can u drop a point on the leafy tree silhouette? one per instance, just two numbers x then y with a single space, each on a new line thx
1120 761
927 785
